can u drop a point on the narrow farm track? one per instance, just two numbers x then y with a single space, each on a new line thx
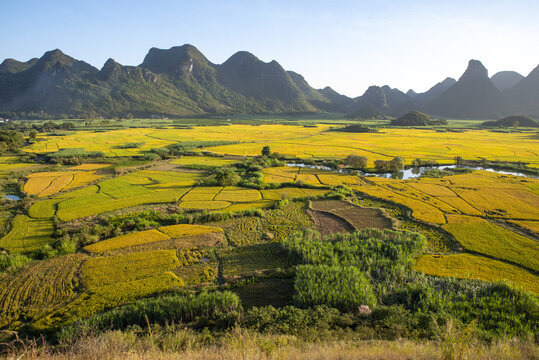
516 229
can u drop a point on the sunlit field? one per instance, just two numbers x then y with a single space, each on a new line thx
313 142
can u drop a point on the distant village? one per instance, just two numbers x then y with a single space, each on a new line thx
4 120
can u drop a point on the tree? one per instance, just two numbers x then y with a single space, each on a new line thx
226 176
397 163
32 134
266 151
11 140
381 165
356 161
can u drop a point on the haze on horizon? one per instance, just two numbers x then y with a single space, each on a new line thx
348 45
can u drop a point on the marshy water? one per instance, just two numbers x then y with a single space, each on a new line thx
413 172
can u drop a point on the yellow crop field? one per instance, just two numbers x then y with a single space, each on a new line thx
201 194
27 234
82 179
203 205
89 190
469 266
203 160
39 288
408 143
105 297
420 210
101 271
262 204
56 185
87 167
49 183
530 225
127 240
280 174
36 185
43 209
99 203
481 236
312 142
182 230
291 193
245 195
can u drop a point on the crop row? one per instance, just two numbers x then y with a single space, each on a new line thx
39 288
27 234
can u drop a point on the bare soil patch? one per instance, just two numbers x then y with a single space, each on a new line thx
359 217
327 223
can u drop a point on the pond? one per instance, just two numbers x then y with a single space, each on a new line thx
12 197
413 172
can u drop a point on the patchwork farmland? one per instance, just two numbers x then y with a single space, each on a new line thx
187 211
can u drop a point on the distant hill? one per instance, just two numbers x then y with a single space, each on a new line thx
504 80
472 96
367 112
416 118
512 121
435 91
179 81
525 94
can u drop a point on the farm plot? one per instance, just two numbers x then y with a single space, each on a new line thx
420 210
291 193
483 237
44 209
529 225
308 176
237 199
49 183
150 236
39 288
327 223
467 266
358 217
114 280
123 192
27 234
205 161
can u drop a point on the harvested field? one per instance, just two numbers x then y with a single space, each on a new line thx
358 217
327 223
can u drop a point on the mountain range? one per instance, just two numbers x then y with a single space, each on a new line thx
181 81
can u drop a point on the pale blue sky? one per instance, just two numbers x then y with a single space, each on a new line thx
347 45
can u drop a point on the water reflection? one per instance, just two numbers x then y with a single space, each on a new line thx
410 173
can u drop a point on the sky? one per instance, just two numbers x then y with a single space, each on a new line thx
348 45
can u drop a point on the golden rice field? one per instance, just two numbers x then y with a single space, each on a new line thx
203 160
44 184
27 234
39 288
313 142
113 280
149 236
468 266
481 236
